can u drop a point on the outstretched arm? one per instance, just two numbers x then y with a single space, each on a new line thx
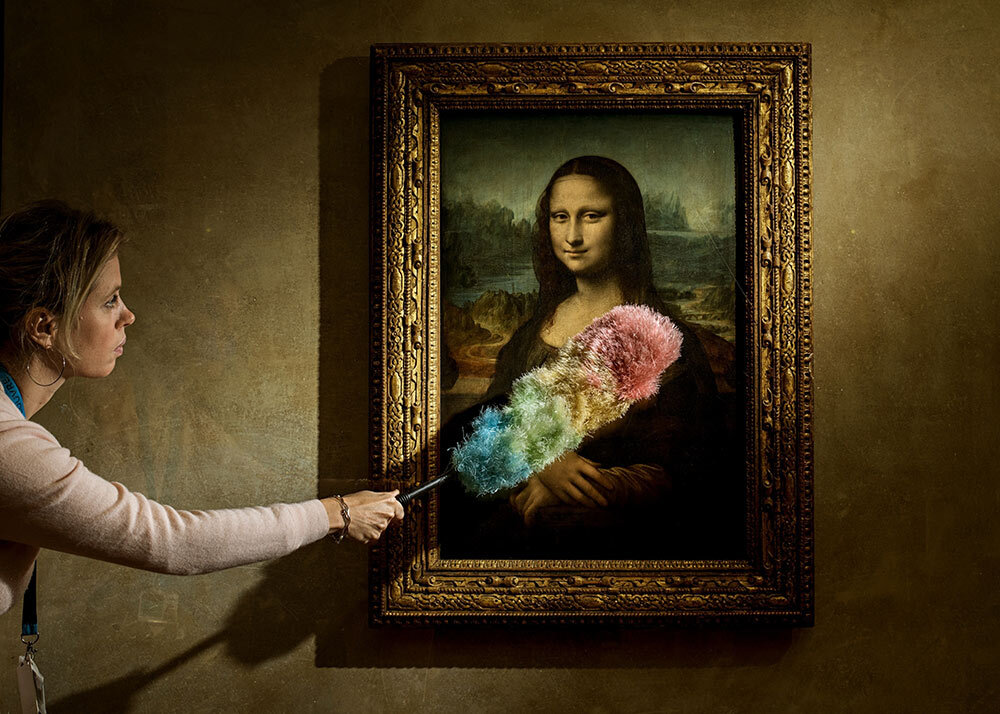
51 500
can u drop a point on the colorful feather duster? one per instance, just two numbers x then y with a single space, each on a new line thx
593 380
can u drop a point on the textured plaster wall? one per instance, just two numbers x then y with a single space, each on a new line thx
230 138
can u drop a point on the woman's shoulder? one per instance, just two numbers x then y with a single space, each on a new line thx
523 337
25 446
11 418
7 408
519 354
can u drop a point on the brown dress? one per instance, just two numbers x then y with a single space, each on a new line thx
675 494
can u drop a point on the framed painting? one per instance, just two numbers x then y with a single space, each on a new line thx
521 191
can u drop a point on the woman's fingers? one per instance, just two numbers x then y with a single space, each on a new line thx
563 494
529 499
589 490
593 473
578 496
531 508
398 512
371 513
533 498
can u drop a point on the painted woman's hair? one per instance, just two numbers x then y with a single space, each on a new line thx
631 261
50 257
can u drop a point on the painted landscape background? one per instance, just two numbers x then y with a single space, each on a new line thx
493 167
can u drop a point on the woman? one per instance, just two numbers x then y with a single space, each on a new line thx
591 253
62 316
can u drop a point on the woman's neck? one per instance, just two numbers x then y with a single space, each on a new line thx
599 291
34 396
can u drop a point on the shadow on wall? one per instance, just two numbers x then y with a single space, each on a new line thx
322 590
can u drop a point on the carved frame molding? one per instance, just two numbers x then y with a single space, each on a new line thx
768 87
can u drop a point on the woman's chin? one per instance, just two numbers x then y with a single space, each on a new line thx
92 371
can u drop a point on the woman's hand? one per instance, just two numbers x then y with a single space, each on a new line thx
371 513
529 499
572 479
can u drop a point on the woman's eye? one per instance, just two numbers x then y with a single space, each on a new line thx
559 217
592 216
112 302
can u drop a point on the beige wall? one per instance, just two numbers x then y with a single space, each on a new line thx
230 137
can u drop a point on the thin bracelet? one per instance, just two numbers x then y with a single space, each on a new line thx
346 513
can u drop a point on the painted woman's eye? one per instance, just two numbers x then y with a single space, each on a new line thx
593 216
559 217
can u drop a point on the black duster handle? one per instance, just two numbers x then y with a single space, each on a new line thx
405 498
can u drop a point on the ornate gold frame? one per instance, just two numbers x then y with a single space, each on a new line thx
769 87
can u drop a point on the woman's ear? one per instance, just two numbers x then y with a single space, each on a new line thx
41 327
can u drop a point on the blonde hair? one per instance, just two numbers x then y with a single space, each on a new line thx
50 257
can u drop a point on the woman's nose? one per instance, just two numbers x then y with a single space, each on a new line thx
574 236
127 317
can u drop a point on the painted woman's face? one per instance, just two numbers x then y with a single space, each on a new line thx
100 333
581 225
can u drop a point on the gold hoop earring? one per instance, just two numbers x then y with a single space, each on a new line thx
27 370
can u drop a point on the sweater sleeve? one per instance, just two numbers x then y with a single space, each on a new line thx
50 499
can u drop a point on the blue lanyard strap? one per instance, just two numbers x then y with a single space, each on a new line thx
29 610
10 387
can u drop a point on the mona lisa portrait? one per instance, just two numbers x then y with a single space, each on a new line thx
663 481
521 195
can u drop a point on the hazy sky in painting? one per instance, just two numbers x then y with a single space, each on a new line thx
509 157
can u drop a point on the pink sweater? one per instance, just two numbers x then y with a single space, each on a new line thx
49 499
